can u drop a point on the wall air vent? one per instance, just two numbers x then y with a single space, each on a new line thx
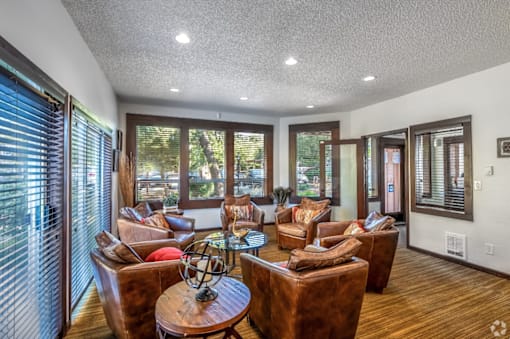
455 245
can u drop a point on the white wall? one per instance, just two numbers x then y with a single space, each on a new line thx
210 217
43 32
485 96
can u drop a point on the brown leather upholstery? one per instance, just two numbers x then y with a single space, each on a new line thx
378 249
128 292
257 222
182 229
320 303
297 235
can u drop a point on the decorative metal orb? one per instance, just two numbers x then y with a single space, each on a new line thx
202 267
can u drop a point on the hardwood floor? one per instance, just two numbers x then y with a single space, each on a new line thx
426 298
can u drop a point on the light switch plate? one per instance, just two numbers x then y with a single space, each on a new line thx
477 185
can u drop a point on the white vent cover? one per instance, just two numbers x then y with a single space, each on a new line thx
455 245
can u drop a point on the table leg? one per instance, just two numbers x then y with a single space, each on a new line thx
231 332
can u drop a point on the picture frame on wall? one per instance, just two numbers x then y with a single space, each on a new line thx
115 160
118 145
503 147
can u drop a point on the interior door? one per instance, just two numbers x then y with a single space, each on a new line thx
342 177
393 183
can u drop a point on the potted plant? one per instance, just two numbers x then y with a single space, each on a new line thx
170 201
280 196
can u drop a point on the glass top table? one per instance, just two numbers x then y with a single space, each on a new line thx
250 243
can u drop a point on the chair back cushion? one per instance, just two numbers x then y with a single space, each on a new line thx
116 250
240 205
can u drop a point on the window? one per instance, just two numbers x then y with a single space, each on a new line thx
441 176
200 159
91 154
304 158
372 172
31 208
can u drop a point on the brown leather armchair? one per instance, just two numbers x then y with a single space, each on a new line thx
294 234
319 303
256 223
378 248
128 292
182 229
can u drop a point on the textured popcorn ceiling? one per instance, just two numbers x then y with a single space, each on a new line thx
238 48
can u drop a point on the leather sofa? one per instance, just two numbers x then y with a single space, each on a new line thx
295 234
182 229
128 292
318 303
378 248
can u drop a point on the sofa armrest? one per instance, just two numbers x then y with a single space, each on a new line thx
130 232
180 223
326 229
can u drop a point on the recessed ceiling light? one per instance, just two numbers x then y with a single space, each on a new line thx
369 78
310 106
175 90
291 61
243 98
183 38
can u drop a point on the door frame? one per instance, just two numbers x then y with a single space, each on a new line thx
400 144
360 173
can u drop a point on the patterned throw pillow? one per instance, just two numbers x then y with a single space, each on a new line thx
375 221
353 228
372 216
301 260
144 209
310 204
116 250
244 212
130 213
157 219
301 215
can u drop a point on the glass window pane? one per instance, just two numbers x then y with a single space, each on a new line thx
307 165
249 164
206 175
157 162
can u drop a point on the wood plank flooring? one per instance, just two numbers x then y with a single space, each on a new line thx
426 298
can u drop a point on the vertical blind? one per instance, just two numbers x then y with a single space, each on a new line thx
31 215
439 160
249 164
90 195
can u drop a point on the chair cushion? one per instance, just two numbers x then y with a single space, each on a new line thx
165 253
354 228
116 250
157 219
302 260
301 215
293 229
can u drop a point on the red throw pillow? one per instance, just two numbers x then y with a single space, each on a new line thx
164 253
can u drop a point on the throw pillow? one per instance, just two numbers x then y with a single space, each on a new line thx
116 250
379 224
244 212
157 219
130 213
240 200
164 253
353 228
301 215
144 209
310 204
301 260
373 216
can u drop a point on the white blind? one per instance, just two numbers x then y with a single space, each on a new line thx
31 216
249 164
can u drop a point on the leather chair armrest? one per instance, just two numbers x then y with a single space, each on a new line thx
130 232
284 216
223 217
326 229
144 248
331 240
180 223
258 215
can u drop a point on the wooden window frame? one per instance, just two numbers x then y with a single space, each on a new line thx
185 124
332 126
467 213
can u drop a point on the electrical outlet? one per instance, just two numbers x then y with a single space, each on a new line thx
477 185
489 248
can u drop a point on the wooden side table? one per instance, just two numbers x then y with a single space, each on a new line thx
179 314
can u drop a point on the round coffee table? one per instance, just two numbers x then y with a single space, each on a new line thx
179 314
252 242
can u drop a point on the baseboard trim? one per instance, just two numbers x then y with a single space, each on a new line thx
460 262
